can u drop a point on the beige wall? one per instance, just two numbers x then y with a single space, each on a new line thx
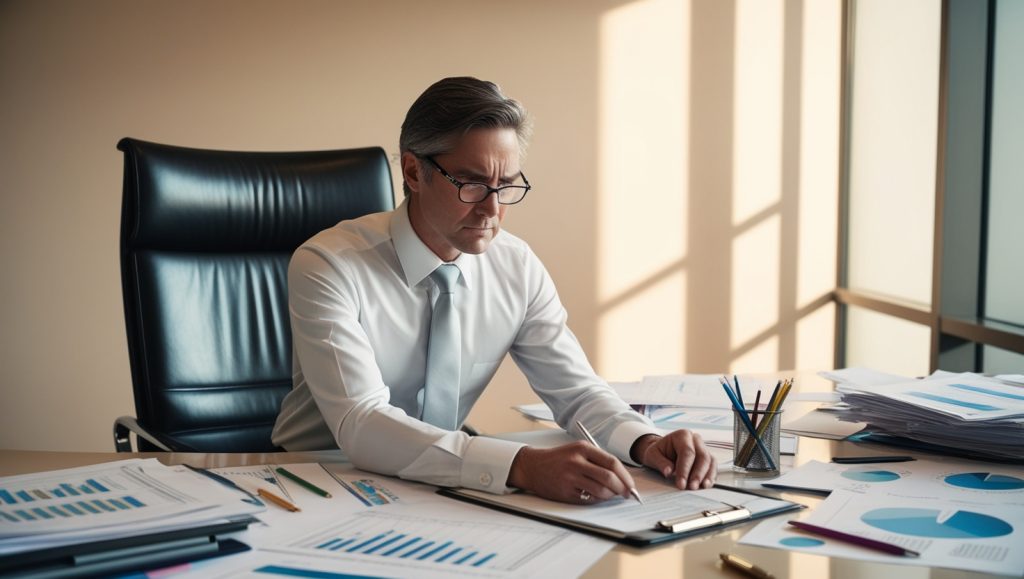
684 160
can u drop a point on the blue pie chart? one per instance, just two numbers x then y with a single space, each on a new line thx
985 481
925 523
872 476
802 542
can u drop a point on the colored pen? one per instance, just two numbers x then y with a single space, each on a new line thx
871 459
279 501
590 439
855 539
303 482
744 566
224 481
754 436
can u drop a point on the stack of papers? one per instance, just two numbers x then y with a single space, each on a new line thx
968 413
109 501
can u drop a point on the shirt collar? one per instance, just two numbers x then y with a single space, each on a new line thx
417 260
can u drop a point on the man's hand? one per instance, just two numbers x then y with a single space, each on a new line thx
577 473
680 455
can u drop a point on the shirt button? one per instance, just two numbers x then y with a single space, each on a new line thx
485 479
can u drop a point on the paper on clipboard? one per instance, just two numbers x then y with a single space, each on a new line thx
629 521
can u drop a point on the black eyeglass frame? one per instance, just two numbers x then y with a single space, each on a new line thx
459 185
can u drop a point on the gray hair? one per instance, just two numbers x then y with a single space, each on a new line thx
452 107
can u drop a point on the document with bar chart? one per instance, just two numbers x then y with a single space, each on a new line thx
88 499
438 538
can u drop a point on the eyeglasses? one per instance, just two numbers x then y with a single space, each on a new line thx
477 192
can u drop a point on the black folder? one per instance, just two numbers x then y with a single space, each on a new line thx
127 554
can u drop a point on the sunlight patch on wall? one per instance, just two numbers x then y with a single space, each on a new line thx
645 335
819 152
757 138
764 357
642 188
642 150
755 281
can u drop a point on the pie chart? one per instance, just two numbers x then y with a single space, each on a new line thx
985 481
872 476
802 542
926 523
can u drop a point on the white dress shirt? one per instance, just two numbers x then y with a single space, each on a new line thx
360 299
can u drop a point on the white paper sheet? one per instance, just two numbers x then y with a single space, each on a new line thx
937 480
382 526
969 536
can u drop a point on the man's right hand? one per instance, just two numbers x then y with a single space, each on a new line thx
577 473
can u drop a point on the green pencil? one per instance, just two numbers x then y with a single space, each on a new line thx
304 483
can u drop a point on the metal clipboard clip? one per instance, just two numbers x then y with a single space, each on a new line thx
704 519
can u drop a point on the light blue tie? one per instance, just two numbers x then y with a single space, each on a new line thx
444 354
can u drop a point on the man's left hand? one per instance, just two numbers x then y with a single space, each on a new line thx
681 455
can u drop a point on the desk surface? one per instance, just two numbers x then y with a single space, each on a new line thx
692 558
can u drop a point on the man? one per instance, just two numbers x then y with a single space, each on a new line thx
400 319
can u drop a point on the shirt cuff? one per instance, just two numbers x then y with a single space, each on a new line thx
486 464
623 437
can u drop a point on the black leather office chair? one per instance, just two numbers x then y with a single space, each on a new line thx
206 237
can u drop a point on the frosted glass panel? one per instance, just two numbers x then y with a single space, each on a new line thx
999 361
893 138
1005 269
886 343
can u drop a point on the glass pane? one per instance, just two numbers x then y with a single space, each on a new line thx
885 343
1005 268
892 150
999 361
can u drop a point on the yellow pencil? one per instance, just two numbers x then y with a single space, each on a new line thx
278 500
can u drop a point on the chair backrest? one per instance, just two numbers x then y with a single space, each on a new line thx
206 237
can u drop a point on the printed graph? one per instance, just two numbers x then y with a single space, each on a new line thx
985 481
870 476
429 541
66 500
935 524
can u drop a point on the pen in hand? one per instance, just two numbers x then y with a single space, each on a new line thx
590 439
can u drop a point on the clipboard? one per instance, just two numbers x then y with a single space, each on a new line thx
733 507
133 553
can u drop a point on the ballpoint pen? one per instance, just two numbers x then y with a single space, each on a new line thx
870 459
224 481
303 482
744 566
590 439
855 539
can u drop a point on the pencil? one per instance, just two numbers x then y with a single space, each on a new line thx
757 401
278 500
855 539
303 482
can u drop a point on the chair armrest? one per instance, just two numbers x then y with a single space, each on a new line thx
124 426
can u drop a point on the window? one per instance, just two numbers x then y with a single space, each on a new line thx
931 197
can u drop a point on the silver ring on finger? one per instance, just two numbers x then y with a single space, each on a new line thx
584 495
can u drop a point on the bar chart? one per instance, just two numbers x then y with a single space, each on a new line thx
417 540
63 499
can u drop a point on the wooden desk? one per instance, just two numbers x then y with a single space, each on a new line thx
696 558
